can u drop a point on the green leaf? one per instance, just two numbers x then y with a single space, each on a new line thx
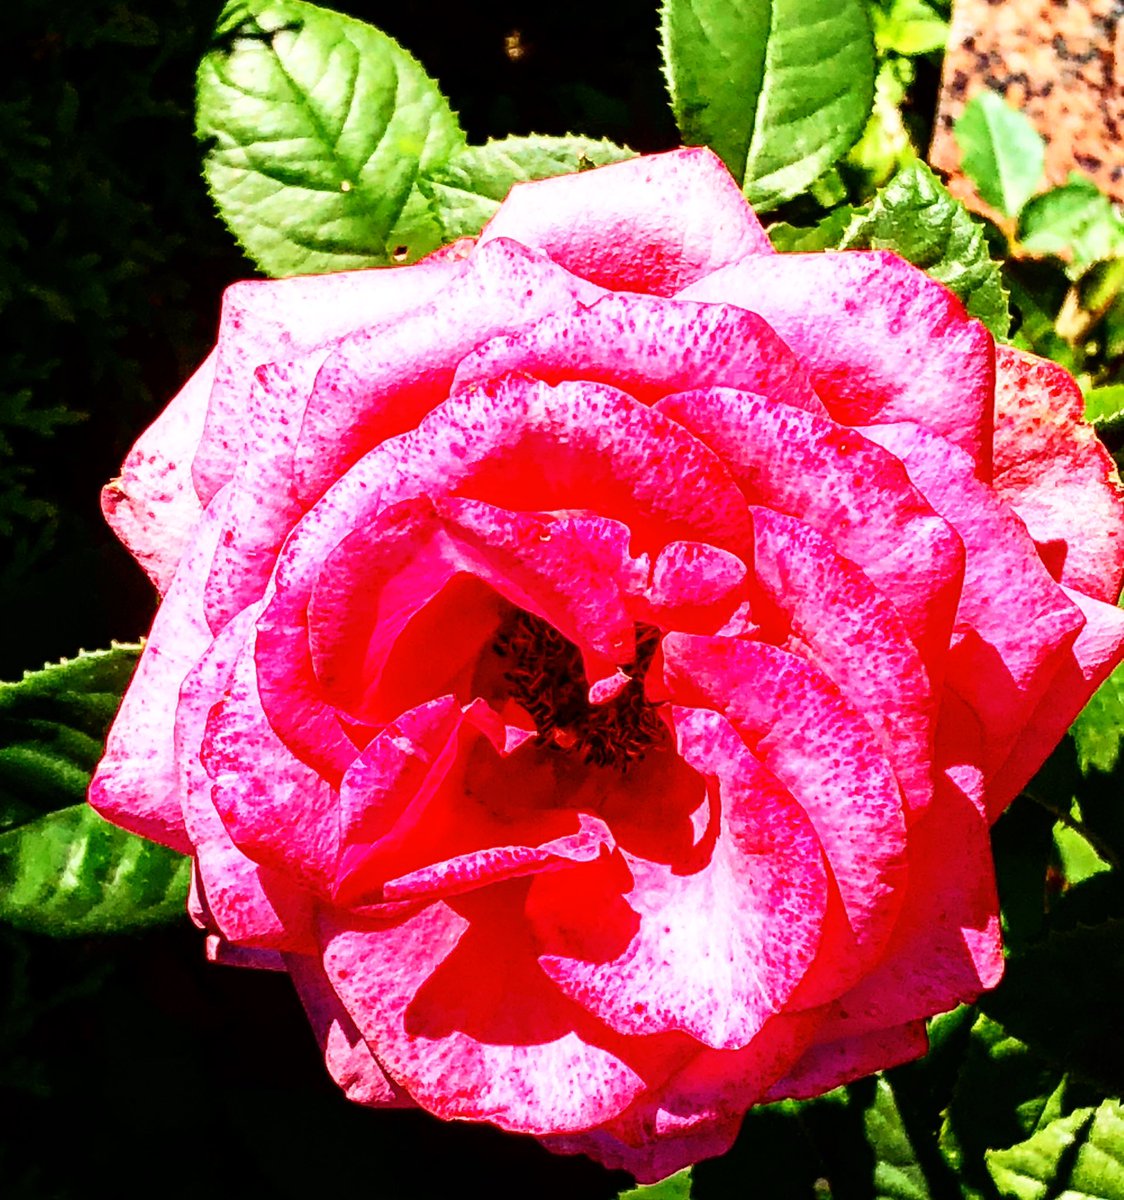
1002 153
1076 221
897 1173
71 873
1029 1170
909 27
780 90
318 128
1061 997
1001 1094
1104 407
1098 1171
1099 728
52 729
63 869
917 218
674 1187
468 189
1079 859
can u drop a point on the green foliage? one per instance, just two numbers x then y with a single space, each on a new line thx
468 189
908 27
63 869
317 128
917 218
1002 153
793 92
674 1187
898 1175
1076 221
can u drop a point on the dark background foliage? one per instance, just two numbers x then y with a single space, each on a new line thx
129 1066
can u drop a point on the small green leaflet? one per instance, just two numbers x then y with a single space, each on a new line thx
897 1173
1077 221
674 1187
1076 1157
908 27
1002 153
63 869
467 190
916 217
779 89
1097 732
318 127
1104 406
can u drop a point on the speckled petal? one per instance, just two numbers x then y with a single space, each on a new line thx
1055 473
136 784
457 1010
275 320
649 348
847 488
800 726
652 224
152 505
880 339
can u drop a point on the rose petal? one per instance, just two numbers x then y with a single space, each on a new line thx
275 320
1014 625
822 750
850 490
1055 473
348 1058
136 784
847 628
652 224
827 1065
881 340
276 810
380 381
152 505
460 1014
649 348
722 940
1098 648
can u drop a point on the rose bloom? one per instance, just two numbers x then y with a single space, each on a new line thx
591 658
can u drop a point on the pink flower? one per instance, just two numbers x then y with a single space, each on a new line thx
590 659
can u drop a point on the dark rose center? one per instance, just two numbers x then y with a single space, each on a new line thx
545 675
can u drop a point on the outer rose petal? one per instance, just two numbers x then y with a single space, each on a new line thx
652 224
1097 650
881 340
460 1014
1052 468
826 1065
349 1059
649 348
136 784
152 505
275 320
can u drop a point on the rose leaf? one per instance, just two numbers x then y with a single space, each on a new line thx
779 90
64 870
898 1172
1077 221
674 1187
1037 1168
468 189
1003 1093
317 128
1002 153
71 873
1074 1023
909 27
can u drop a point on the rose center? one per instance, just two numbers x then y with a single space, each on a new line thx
546 677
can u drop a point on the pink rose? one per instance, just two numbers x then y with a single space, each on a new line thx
590 659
